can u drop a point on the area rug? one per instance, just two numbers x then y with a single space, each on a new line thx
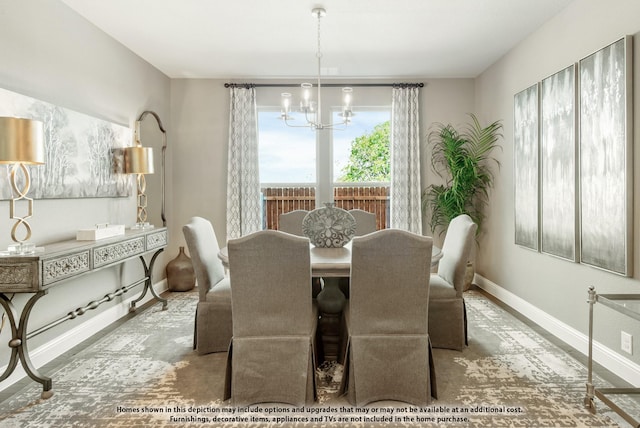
144 373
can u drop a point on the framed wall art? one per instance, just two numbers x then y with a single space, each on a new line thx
526 164
605 158
79 162
558 164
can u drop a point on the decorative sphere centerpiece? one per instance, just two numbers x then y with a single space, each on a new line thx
329 226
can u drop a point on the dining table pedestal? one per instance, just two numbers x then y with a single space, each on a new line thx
330 304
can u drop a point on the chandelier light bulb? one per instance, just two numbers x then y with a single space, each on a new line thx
306 95
286 103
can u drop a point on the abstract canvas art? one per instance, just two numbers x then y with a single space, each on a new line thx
558 159
526 167
605 156
79 162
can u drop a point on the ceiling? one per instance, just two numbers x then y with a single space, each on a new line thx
359 38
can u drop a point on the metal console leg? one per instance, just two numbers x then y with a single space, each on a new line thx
148 283
589 401
18 343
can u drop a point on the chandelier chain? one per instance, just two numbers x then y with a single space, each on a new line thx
319 51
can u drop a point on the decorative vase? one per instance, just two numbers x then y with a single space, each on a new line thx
180 274
329 226
468 276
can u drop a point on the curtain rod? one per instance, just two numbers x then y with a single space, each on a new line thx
326 85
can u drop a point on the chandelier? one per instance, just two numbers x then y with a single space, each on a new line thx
313 109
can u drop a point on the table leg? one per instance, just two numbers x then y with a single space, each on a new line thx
148 283
18 343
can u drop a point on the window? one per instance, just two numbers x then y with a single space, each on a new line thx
314 161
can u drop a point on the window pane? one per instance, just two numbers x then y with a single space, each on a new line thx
363 124
287 155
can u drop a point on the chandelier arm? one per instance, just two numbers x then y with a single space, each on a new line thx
311 122
286 122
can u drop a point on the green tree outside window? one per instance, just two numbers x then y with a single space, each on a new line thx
369 160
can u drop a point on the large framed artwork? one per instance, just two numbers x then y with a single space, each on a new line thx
526 163
79 160
558 160
605 158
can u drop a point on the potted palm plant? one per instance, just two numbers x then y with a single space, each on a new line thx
463 159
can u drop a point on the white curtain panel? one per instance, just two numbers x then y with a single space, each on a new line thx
243 181
406 210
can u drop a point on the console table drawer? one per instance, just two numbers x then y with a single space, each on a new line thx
60 268
19 277
108 254
157 240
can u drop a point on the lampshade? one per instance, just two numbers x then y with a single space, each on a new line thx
21 141
138 160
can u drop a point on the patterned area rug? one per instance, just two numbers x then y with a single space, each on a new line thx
144 373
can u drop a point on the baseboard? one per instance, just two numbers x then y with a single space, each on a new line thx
51 350
614 362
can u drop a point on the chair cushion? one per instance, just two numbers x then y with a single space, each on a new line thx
221 292
440 289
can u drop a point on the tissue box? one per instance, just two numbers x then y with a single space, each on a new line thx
100 232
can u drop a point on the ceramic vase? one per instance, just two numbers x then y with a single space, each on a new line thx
180 274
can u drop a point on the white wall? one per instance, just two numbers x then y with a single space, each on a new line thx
52 54
557 287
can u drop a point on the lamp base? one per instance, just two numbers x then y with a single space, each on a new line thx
142 225
22 248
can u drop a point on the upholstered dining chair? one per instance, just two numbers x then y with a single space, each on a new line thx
272 352
365 221
388 353
447 311
291 222
213 324
365 224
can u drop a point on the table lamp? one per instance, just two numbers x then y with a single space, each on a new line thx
139 160
21 144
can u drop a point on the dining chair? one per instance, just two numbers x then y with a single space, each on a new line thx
213 323
291 222
388 352
447 310
272 353
365 224
365 221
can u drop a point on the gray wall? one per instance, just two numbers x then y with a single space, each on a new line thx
52 54
200 116
555 286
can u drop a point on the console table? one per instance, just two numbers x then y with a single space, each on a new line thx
61 261
629 305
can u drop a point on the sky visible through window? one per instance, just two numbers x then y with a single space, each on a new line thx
288 155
